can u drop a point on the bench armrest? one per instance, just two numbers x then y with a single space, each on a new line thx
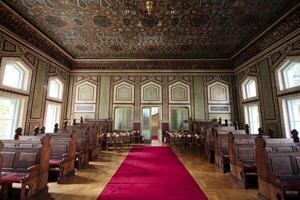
33 168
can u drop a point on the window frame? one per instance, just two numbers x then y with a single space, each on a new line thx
244 88
286 116
22 108
247 105
114 117
61 89
27 74
60 112
279 75
170 117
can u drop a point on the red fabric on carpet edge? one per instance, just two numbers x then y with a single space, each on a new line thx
152 173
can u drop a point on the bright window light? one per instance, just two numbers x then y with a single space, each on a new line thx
55 89
291 75
52 116
249 88
13 76
293 109
252 117
10 116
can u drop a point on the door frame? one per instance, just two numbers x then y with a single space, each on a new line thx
160 121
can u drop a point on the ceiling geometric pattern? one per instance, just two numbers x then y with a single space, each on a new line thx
200 29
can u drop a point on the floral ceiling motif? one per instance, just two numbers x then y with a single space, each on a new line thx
200 28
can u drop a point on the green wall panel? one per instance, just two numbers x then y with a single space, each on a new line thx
266 87
199 98
104 97
39 89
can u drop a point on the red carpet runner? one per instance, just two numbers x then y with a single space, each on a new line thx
152 173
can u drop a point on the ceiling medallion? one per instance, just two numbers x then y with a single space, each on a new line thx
150 12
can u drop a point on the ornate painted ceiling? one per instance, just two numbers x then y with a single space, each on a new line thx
199 29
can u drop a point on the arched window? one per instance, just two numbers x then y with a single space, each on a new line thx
289 74
249 88
15 74
55 88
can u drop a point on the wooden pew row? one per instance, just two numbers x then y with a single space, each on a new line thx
45 156
62 156
209 140
278 168
24 165
82 146
221 148
94 133
243 157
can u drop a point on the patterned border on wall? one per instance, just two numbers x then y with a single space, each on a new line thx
151 93
124 93
287 25
153 64
179 92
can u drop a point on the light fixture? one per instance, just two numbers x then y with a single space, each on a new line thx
150 12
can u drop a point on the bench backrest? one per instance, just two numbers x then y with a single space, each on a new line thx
58 149
20 158
245 151
284 163
273 157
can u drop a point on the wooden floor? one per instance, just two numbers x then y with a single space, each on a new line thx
88 184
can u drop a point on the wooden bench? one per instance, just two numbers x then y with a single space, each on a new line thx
20 165
62 156
221 149
242 157
209 140
43 143
94 137
82 146
278 166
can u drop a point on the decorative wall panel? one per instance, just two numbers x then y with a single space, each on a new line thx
39 90
179 93
218 93
124 93
86 93
151 93
104 97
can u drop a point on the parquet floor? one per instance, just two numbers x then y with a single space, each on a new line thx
87 184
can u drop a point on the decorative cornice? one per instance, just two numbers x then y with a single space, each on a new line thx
16 24
154 64
287 25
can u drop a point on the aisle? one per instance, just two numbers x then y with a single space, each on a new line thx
152 173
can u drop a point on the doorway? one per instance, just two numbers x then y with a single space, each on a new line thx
151 126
